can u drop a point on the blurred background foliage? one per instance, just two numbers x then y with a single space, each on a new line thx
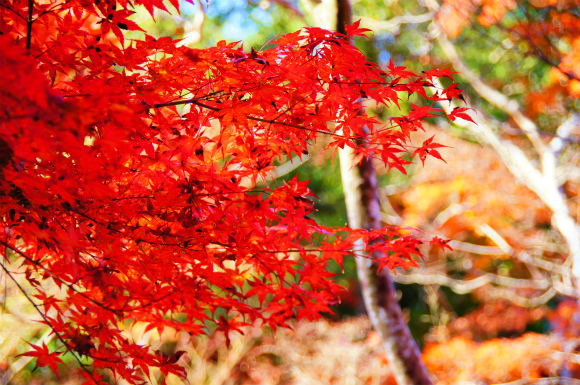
509 274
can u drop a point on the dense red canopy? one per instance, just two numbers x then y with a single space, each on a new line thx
133 174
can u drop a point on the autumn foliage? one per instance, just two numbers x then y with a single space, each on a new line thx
544 23
134 175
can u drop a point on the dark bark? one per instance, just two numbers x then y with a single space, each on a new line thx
29 22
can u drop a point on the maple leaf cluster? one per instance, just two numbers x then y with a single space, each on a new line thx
132 175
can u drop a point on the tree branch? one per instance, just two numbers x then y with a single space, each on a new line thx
393 25
465 287
545 186
29 22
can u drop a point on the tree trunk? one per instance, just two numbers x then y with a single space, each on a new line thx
362 204
378 291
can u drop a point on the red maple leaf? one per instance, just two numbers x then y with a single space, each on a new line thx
429 148
355 30
44 357
442 243
459 112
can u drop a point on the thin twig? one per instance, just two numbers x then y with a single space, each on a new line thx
47 322
10 9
